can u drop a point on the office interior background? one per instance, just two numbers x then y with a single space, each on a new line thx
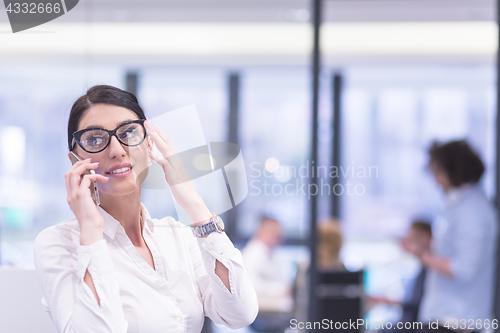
412 71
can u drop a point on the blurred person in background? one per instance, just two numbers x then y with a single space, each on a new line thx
329 244
459 286
273 287
418 240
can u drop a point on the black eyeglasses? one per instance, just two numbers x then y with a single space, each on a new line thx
95 140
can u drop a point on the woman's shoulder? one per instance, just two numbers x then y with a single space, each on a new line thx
171 226
66 232
474 203
167 220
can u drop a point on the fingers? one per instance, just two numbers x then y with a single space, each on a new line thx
80 169
87 179
160 140
71 178
167 141
160 160
74 174
83 190
171 163
174 172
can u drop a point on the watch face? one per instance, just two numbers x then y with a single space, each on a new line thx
219 223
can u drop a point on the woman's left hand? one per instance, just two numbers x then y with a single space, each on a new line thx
175 174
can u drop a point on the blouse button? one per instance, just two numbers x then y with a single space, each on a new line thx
210 246
86 256
166 292
179 320
210 259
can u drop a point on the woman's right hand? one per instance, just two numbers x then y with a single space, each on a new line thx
80 199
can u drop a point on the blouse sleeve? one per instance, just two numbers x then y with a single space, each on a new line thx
236 308
61 267
470 245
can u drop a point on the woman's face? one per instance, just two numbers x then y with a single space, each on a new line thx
116 155
440 176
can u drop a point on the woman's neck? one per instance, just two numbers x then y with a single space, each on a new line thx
126 210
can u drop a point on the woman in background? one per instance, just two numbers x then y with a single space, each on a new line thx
329 244
328 248
459 286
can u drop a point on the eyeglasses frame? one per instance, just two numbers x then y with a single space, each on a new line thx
78 134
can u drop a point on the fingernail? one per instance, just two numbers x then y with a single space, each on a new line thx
150 127
87 159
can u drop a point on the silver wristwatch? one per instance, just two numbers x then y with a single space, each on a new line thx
215 225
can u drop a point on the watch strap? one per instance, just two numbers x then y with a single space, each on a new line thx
204 229
207 228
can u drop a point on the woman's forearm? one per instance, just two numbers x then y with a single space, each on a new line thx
90 235
199 214
223 273
90 283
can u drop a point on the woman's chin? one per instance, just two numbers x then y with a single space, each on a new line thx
120 189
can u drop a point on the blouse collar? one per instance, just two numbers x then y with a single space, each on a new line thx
111 224
455 193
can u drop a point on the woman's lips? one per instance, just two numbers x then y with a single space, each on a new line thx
117 173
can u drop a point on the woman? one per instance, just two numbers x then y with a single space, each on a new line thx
330 241
113 268
459 283
329 244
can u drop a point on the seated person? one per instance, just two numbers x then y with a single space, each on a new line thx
268 278
329 243
418 239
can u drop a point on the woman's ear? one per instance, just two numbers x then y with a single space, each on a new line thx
149 142
149 145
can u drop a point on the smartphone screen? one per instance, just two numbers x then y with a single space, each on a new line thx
93 186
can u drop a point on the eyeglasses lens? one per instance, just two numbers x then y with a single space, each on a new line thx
128 134
94 140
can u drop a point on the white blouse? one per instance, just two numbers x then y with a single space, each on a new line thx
134 297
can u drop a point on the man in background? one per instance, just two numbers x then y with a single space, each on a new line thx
273 288
417 241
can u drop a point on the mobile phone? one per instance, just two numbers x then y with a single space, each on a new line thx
93 186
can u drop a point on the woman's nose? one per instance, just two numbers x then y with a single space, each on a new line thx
116 148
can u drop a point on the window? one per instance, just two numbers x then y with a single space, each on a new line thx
275 142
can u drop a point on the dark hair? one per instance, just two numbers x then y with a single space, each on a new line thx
101 94
461 164
422 225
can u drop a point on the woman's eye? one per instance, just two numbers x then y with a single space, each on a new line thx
95 141
128 133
